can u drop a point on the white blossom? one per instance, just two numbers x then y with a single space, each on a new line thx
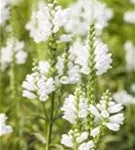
82 12
80 55
67 140
124 98
4 129
72 75
109 115
70 108
45 21
13 47
86 146
95 131
83 136
37 85
103 58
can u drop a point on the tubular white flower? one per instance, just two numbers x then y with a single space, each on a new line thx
70 109
82 137
113 126
4 129
67 139
95 131
103 58
87 146
115 108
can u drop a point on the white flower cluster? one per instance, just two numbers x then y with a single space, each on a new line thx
37 85
129 16
82 12
71 111
13 47
4 129
124 98
130 56
73 138
106 113
78 62
46 20
103 58
72 75
5 10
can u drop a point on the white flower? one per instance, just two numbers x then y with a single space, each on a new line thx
95 131
82 137
41 27
124 98
130 56
71 111
37 85
4 129
129 16
67 140
86 146
71 76
82 12
115 108
108 113
29 94
60 18
94 110
113 126
44 67
13 47
103 59
79 53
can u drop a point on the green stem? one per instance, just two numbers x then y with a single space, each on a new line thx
50 125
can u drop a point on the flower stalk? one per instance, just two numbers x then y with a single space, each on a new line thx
92 75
